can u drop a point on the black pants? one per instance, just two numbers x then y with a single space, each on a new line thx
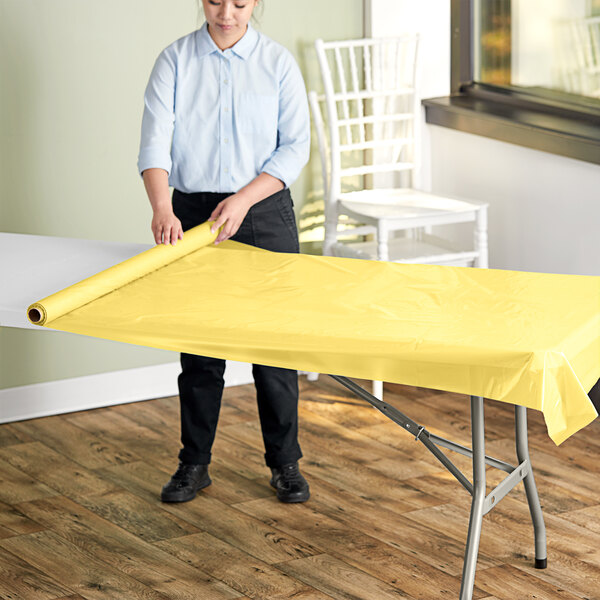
271 225
594 395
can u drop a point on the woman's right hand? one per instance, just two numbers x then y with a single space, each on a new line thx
166 227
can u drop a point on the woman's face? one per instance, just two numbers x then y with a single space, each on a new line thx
227 19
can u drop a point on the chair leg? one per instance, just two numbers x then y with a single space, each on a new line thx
382 241
481 238
479 489
378 389
539 527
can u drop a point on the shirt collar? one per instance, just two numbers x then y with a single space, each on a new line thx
242 48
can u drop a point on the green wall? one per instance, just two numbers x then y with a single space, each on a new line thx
72 78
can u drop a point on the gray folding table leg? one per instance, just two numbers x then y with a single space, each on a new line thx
481 504
539 528
479 489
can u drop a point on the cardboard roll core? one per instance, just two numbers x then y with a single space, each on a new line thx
34 315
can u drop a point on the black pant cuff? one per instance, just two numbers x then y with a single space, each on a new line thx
282 459
190 458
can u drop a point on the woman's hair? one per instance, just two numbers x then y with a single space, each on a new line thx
257 12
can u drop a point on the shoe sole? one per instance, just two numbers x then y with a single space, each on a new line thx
186 498
293 500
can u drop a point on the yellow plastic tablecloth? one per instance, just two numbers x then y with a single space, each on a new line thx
531 339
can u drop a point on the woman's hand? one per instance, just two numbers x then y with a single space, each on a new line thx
230 213
166 226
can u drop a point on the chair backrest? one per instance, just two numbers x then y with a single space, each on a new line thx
372 106
586 33
316 102
579 55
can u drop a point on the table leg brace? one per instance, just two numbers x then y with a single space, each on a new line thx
481 504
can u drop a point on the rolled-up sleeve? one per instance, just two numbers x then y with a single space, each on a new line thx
158 119
293 128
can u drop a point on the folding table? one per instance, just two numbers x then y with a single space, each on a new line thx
529 339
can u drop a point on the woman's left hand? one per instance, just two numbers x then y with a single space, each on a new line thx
230 213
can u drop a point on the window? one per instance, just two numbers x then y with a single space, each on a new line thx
552 44
526 72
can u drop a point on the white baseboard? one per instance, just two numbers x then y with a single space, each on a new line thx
104 389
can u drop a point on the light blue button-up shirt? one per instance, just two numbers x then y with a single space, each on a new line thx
215 119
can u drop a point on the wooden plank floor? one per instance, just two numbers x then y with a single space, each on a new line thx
80 515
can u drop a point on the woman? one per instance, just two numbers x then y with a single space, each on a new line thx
226 125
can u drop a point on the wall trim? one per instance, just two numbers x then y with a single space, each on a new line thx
104 389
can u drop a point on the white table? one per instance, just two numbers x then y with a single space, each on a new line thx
35 266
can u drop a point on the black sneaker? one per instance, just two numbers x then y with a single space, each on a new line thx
289 483
184 484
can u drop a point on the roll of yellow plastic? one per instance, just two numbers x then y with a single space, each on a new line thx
531 339
75 296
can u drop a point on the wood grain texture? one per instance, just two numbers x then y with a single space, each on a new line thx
81 517
10 435
238 569
509 581
54 470
109 543
339 579
88 450
16 485
392 563
21 581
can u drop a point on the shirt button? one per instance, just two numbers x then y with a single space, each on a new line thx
226 170
226 109
226 140
226 81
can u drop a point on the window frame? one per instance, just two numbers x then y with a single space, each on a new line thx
540 118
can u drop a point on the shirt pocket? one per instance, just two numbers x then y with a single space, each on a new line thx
258 113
